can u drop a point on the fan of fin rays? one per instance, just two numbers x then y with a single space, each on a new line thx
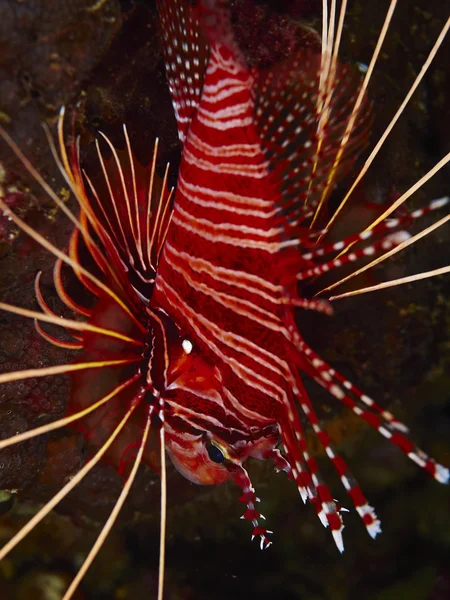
148 220
95 231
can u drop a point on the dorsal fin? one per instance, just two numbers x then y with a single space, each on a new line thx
288 113
186 54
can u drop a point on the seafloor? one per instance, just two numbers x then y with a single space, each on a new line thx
104 60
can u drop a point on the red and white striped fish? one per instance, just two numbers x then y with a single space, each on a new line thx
261 152
191 323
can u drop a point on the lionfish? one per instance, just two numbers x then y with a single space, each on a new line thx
191 326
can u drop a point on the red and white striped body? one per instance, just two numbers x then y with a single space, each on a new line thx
255 161
218 275
221 279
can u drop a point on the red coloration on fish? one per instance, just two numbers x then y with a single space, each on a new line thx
190 317
210 287
254 165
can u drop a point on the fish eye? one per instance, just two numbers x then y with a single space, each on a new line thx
215 453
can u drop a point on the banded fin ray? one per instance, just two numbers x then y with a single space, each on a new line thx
186 54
